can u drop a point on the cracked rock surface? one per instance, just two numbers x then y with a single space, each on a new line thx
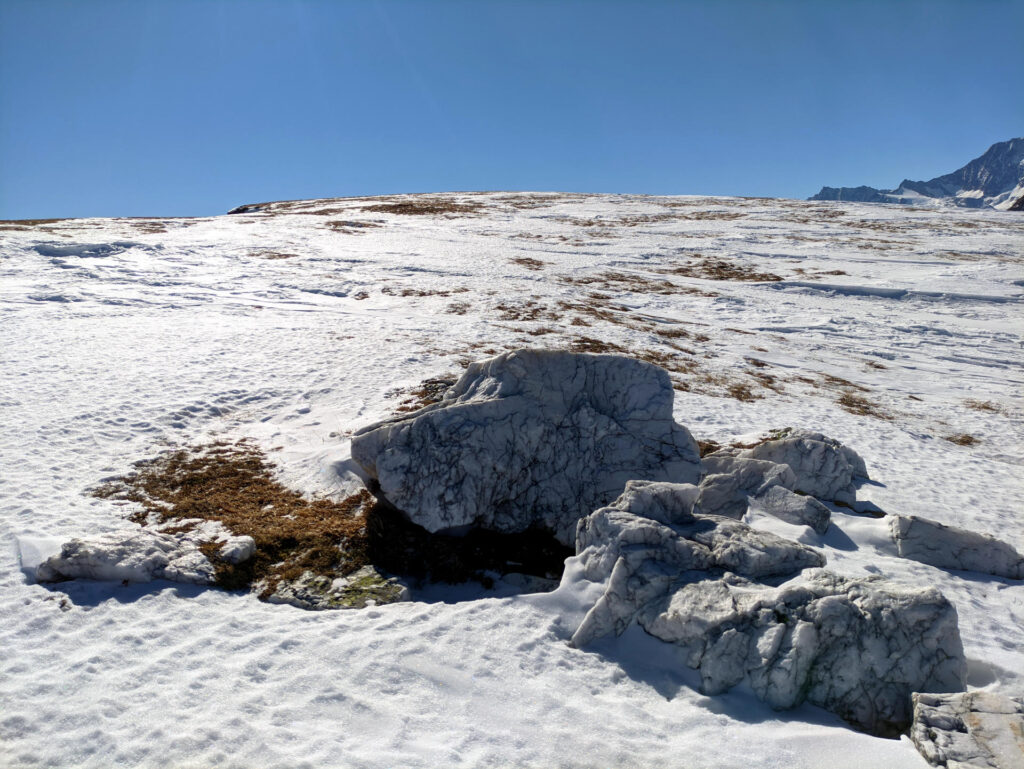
642 560
857 647
970 730
949 547
824 468
531 438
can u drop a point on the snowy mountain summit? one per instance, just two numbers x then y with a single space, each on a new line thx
994 180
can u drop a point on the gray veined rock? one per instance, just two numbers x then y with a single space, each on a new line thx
949 547
798 509
785 477
856 647
641 559
970 730
528 439
824 467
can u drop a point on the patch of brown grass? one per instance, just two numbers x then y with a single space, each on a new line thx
962 439
983 406
347 227
426 393
589 344
525 311
708 268
426 207
409 291
857 404
26 224
232 483
264 254
528 262
741 392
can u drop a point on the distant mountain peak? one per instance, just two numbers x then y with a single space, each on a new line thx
993 180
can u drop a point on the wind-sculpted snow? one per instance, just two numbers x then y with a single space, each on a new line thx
949 547
970 730
530 439
856 647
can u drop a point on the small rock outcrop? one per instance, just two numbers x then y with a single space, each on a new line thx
824 467
857 647
949 547
531 438
970 730
786 476
367 586
142 555
640 559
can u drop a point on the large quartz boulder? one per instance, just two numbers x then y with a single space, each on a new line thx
529 439
949 547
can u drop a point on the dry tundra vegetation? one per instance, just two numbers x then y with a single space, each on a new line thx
234 484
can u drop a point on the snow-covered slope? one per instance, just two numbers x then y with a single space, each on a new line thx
892 329
994 180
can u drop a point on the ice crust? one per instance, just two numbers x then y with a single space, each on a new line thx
531 438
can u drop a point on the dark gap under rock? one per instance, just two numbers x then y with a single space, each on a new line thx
406 549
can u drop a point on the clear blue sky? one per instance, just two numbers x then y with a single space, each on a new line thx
192 107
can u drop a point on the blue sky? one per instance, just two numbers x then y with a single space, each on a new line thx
194 106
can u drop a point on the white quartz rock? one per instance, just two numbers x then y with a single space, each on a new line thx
949 547
970 730
824 467
142 555
732 480
798 509
530 438
640 559
659 501
856 647
136 555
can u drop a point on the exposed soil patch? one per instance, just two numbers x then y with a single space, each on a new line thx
963 439
232 483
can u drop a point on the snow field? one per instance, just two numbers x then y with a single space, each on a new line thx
115 342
